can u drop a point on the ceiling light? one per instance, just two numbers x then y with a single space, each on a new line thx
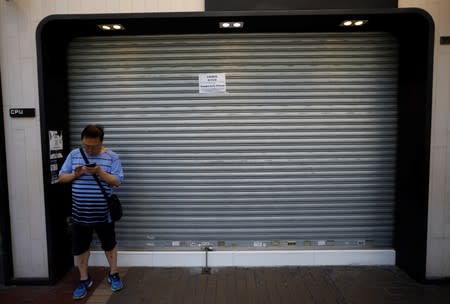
353 22
109 27
231 24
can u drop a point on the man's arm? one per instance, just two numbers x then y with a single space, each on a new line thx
69 177
110 179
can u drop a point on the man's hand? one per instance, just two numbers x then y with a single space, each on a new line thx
78 171
92 169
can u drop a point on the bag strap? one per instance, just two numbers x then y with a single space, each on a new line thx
94 175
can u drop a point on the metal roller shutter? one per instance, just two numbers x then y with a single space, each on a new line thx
300 149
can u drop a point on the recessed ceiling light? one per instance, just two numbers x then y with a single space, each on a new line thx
231 24
353 23
109 27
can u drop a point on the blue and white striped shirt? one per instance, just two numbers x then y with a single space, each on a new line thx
88 203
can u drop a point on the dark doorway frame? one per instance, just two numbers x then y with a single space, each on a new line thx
413 28
6 265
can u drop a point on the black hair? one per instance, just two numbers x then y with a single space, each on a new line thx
93 131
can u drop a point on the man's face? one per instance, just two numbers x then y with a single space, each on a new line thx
92 145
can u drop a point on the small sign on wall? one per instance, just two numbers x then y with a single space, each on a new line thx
212 83
22 112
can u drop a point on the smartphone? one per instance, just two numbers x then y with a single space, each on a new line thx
91 165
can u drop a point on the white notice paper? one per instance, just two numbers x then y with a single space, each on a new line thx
56 140
212 83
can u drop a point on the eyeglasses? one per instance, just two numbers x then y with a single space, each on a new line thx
91 147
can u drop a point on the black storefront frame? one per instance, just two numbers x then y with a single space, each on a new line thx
6 268
413 28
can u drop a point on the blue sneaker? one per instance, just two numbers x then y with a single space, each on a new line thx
82 289
115 281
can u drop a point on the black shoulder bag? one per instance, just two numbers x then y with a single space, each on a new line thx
114 205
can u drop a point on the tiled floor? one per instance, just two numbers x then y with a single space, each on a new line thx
319 285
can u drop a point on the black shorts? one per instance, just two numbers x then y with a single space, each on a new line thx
82 237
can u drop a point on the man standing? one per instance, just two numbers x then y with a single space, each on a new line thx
89 207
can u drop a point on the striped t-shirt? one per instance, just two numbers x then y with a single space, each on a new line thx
88 203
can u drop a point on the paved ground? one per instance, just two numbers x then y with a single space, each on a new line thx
60 293
319 285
